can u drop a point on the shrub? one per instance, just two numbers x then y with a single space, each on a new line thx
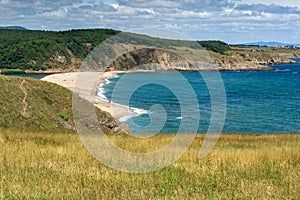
64 116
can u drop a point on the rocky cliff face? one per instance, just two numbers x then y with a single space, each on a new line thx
151 59
110 125
234 63
156 59
252 60
266 59
161 60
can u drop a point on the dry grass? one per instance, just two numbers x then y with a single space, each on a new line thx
47 165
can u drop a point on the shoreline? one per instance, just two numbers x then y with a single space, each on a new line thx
68 80
120 112
266 67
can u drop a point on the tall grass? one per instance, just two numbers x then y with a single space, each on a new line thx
51 165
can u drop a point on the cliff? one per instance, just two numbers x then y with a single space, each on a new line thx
157 59
150 59
254 58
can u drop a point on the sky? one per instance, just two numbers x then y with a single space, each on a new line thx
232 21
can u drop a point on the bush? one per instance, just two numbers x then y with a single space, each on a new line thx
216 46
64 116
135 56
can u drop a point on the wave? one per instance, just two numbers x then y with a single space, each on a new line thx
101 94
282 70
101 90
134 112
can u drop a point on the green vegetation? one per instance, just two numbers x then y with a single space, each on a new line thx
64 116
40 50
12 71
215 46
41 101
135 56
29 104
50 165
65 51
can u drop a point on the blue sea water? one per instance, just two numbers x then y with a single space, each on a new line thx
257 101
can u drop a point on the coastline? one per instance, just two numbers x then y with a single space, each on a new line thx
68 80
120 112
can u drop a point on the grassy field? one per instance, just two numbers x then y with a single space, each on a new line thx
50 165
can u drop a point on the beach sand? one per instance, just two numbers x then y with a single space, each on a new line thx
88 81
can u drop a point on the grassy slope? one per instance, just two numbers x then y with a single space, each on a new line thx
47 165
38 105
45 103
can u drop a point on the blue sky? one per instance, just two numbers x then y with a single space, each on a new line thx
233 21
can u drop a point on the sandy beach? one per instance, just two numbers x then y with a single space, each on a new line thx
88 81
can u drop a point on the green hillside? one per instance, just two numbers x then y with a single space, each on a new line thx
38 105
66 50
45 49
215 46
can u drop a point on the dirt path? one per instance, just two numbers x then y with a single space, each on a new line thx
24 112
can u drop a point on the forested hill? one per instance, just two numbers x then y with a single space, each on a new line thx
66 50
25 49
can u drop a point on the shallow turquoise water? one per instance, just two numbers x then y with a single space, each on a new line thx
257 102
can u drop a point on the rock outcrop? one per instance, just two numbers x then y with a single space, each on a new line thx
161 60
151 59
252 60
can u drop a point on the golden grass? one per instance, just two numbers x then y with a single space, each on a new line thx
47 165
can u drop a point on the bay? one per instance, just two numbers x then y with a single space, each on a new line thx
257 101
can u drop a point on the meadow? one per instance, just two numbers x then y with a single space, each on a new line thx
54 165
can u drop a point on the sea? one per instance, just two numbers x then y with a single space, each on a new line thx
257 102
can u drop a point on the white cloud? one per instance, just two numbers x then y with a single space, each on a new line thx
150 3
226 20
290 3
57 13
